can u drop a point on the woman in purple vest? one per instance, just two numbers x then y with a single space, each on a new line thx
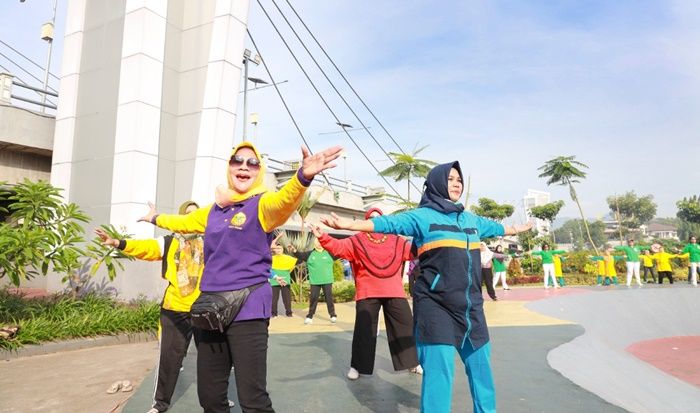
238 232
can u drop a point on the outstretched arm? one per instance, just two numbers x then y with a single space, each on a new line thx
338 248
334 221
516 229
147 249
192 223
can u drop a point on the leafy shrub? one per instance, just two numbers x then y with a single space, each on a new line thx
531 265
343 292
514 268
578 262
63 317
338 273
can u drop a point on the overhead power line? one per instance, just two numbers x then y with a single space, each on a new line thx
284 103
30 60
330 82
343 76
336 89
320 95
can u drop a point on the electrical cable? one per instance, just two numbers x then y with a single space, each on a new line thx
30 60
343 76
321 96
284 103
346 81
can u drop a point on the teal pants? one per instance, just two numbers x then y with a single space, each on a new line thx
438 365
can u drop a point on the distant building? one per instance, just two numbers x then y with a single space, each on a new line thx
663 231
535 198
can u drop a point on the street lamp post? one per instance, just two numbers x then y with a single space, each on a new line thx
246 58
47 32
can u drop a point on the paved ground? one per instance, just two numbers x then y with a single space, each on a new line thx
550 352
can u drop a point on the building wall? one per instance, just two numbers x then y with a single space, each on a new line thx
537 198
26 140
147 111
15 166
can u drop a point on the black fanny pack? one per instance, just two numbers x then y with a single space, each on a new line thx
216 310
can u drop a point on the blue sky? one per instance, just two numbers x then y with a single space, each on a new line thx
501 86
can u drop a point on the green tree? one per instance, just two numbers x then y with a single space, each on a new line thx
527 239
689 209
491 209
305 206
407 166
634 211
564 170
572 232
41 232
547 212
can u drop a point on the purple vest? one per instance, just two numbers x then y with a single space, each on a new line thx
237 255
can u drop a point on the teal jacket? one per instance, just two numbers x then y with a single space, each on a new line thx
447 300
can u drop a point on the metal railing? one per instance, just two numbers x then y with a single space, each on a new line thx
336 183
7 81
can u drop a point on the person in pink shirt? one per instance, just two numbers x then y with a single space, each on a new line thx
377 262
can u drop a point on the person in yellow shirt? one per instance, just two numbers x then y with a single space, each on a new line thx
663 261
557 269
600 264
606 266
281 279
648 266
183 258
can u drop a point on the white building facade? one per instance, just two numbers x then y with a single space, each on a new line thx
536 198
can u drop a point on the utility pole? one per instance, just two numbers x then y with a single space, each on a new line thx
47 33
247 58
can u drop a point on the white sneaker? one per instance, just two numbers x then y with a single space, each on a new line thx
334 319
417 370
353 374
231 404
308 320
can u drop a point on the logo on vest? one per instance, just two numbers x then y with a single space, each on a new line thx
238 220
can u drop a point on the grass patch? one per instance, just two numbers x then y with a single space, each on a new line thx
63 317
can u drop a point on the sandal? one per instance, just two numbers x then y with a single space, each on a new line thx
127 386
8 332
115 387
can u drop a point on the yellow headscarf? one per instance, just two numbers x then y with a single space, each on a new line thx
185 205
258 186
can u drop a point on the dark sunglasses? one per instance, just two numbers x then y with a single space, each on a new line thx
238 161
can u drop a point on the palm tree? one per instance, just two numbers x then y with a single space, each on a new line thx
307 203
405 166
564 170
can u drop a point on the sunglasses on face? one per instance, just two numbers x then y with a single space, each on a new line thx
238 161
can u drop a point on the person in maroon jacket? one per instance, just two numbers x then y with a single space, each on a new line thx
377 262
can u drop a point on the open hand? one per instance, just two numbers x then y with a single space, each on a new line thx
106 239
274 241
334 221
151 213
316 230
319 162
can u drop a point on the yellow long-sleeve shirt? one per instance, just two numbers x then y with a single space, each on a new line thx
183 262
663 260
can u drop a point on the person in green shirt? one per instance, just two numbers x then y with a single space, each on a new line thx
319 265
693 251
499 267
548 264
632 253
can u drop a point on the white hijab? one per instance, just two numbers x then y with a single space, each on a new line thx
486 254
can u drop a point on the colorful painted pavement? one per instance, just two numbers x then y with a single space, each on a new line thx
557 350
